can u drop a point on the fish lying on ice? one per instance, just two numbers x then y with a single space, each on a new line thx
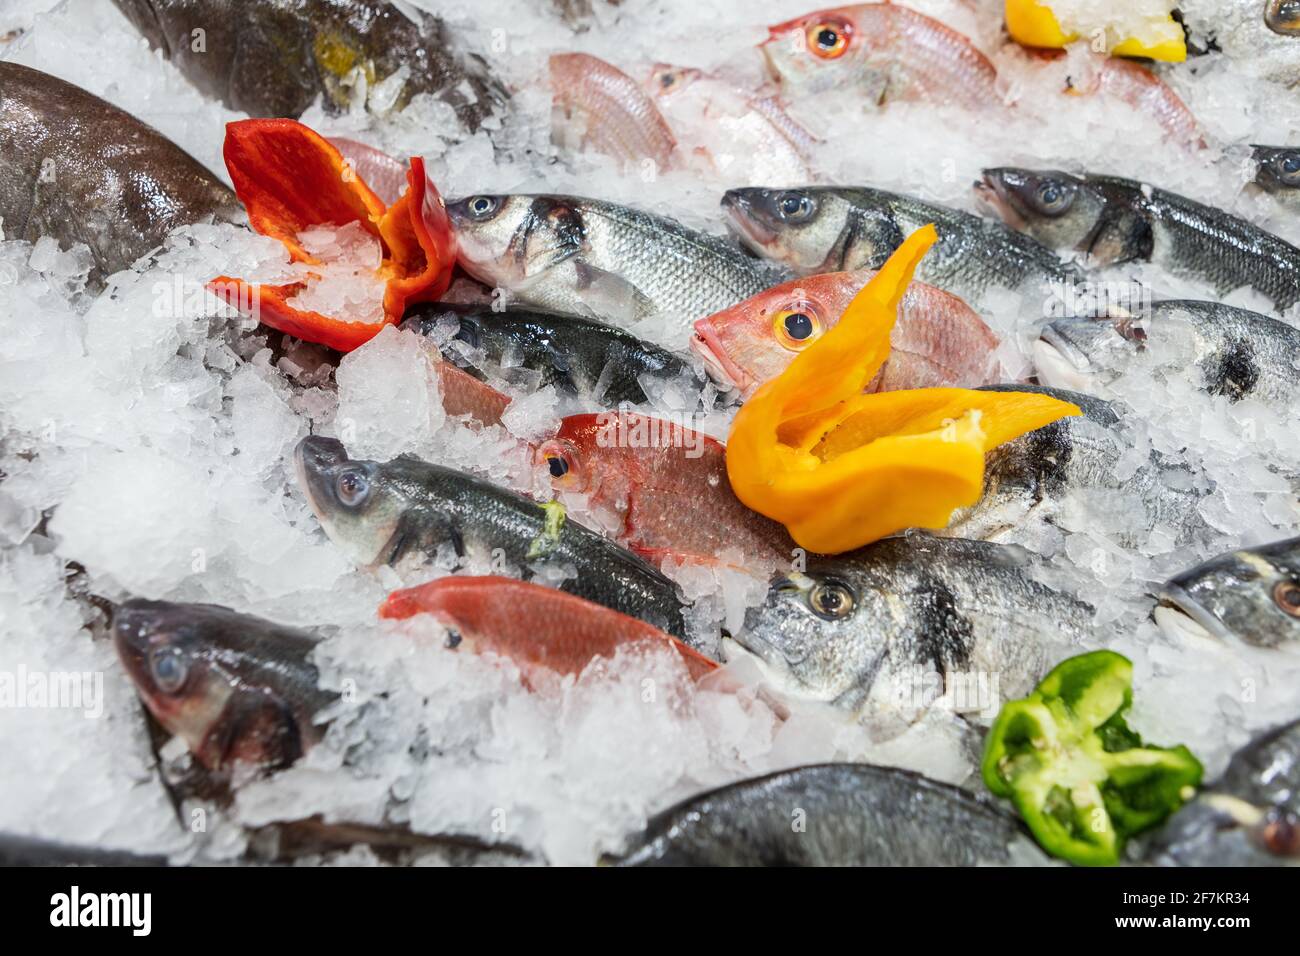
600 108
938 340
276 57
833 815
1227 351
400 512
843 228
1251 595
610 262
1277 171
80 170
1111 220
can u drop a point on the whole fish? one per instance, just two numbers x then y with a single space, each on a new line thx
575 354
664 486
1260 37
400 512
843 228
1228 351
1249 817
1250 595
80 170
538 627
938 340
852 815
1028 481
611 262
277 57
235 688
878 626
601 108
885 52
1111 220
1277 171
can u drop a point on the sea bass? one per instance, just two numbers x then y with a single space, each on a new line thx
877 626
1228 351
855 814
1277 171
664 486
1250 595
1111 220
844 228
1249 817
277 57
577 355
610 262
600 108
235 688
400 512
883 52
938 340
80 170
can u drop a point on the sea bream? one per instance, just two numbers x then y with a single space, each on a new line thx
600 108
938 339
235 688
1251 595
401 513
610 262
1249 817
878 628
577 355
80 170
851 815
819 229
1277 172
1225 350
278 57
1108 220
881 52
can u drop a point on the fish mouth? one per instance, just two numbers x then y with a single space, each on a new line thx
746 226
1059 362
717 363
989 195
1180 617
315 455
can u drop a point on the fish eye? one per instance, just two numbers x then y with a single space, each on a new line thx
831 600
796 327
829 38
1283 16
481 207
1280 833
560 459
1053 197
794 207
169 669
1288 168
1287 597
352 488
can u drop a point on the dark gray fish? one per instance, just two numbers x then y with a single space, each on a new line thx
275 57
399 512
1111 220
577 355
1027 480
80 170
1249 817
834 815
16 850
610 262
887 623
1250 595
1227 351
818 229
235 688
1277 171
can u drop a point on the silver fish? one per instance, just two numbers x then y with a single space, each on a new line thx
600 259
1109 220
854 815
1227 351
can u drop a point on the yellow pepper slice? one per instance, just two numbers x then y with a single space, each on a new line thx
840 468
1033 23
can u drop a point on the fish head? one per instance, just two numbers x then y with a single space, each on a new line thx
817 52
799 227
1283 17
756 340
570 458
1059 210
1251 595
1277 170
1077 353
667 80
504 239
596 455
358 503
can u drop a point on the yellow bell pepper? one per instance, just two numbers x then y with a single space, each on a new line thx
840 468
1033 23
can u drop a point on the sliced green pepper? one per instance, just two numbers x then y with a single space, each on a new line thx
1081 779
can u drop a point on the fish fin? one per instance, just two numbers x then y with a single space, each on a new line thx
1121 235
607 293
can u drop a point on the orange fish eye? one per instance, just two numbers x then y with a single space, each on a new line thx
796 326
560 458
829 38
